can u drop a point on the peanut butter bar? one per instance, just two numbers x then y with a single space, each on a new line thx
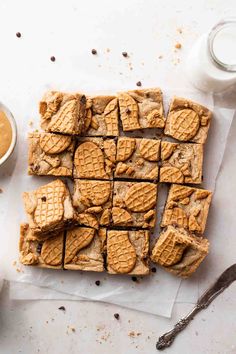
137 158
84 249
93 202
50 154
101 116
188 121
134 204
179 252
181 163
45 253
127 252
141 109
49 208
95 158
187 207
62 112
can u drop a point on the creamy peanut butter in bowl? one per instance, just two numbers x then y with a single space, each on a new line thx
8 133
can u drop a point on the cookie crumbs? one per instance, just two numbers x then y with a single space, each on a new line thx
133 334
14 263
125 54
31 123
62 308
97 282
178 46
117 316
53 58
18 270
179 30
108 50
139 83
73 329
160 57
18 34
94 52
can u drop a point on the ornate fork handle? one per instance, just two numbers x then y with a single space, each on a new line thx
167 339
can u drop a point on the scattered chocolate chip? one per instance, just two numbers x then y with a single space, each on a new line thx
139 83
93 51
97 282
128 111
117 316
44 199
62 308
18 34
39 248
83 99
134 278
53 58
125 54
154 270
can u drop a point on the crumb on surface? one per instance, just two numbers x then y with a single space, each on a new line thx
31 123
14 263
53 58
97 282
178 45
117 316
93 51
179 29
160 56
125 54
18 34
1 191
139 83
134 334
108 50
62 308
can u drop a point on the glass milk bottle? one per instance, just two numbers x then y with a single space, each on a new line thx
211 64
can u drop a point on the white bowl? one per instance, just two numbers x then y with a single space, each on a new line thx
11 119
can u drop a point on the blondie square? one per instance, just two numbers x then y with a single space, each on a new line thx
50 154
49 208
93 202
101 116
141 109
134 204
46 253
84 249
95 158
181 163
187 207
127 252
137 158
188 121
62 112
179 252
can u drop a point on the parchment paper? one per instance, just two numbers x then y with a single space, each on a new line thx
154 294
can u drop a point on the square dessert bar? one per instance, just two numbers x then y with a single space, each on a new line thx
127 252
141 109
95 158
188 121
84 249
93 202
49 208
46 253
187 207
101 116
179 252
137 158
181 163
134 204
62 112
50 154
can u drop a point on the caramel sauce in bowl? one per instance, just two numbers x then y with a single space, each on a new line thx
8 133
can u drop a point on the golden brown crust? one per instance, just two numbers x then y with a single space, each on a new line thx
127 252
188 121
179 252
132 202
62 112
187 207
141 109
49 208
41 253
50 154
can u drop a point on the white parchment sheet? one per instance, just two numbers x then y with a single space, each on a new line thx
155 293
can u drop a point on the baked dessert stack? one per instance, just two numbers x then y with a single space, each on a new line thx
107 222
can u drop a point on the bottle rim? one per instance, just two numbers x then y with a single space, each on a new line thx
211 36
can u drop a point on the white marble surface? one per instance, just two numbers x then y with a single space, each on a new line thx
146 29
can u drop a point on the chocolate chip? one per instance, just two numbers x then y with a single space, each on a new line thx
83 99
154 270
134 279
97 282
53 58
39 248
18 34
44 199
125 54
139 83
117 316
93 51
62 308
128 111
